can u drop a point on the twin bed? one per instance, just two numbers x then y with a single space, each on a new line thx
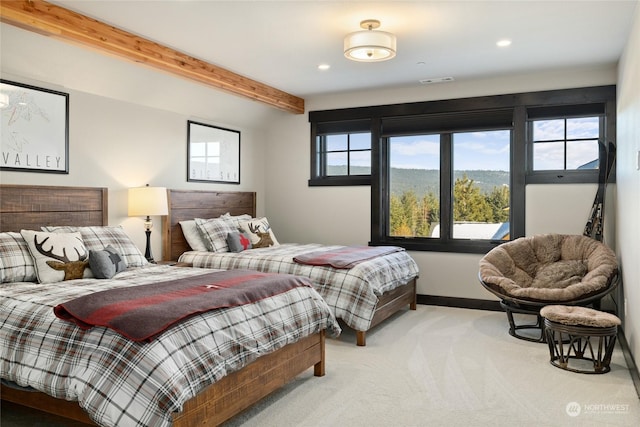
361 296
192 373
201 371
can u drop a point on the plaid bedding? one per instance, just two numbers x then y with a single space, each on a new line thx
350 293
123 383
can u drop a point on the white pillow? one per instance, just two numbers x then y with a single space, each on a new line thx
259 225
192 235
58 256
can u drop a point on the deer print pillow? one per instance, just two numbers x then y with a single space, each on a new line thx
260 232
57 256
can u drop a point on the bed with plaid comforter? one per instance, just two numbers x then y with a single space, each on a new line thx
119 382
352 293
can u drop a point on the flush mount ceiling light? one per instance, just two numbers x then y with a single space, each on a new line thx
370 45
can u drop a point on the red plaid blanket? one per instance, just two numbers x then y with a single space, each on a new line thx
345 257
142 312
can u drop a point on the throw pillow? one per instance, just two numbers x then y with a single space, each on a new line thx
16 263
99 237
214 233
192 235
238 241
106 263
236 220
57 256
260 231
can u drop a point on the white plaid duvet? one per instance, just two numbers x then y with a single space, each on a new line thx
351 293
122 383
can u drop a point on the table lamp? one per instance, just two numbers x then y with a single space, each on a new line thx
148 201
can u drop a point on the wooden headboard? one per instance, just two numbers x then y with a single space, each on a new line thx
33 206
189 204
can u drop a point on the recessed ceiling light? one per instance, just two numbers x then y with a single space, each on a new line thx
503 43
324 67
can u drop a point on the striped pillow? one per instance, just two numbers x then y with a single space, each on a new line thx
16 263
214 233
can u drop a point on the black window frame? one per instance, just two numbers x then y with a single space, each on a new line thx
320 131
521 107
564 176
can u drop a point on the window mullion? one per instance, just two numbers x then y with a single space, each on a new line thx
446 187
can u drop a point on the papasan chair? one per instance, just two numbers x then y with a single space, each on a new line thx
531 272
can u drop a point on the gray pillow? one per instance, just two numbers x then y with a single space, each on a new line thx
238 241
106 263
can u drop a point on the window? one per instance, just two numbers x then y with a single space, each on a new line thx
414 185
481 196
451 175
564 143
450 188
342 154
345 154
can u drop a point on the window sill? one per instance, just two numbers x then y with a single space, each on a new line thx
340 180
437 245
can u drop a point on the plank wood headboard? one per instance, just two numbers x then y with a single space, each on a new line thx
33 206
189 204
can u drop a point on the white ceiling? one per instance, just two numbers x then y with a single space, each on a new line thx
281 43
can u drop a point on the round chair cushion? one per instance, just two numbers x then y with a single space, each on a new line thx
579 316
549 268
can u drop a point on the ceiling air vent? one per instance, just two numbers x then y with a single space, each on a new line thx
436 80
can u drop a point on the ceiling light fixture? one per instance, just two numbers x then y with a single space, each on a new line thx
369 45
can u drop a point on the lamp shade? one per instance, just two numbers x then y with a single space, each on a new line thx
148 201
370 46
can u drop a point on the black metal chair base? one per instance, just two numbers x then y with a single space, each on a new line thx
514 328
582 349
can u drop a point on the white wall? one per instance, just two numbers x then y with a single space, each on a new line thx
128 124
119 145
628 184
342 215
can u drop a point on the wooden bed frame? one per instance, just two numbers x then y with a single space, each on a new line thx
189 204
30 207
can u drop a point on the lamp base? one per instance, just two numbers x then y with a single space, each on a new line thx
147 253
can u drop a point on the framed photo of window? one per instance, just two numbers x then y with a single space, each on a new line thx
34 130
213 154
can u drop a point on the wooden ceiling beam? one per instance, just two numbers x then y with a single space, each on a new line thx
60 23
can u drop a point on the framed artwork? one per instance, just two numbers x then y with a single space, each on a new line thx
213 154
34 129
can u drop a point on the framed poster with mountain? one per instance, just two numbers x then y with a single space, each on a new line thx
35 129
213 154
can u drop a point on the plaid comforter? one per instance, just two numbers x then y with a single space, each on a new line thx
123 383
351 293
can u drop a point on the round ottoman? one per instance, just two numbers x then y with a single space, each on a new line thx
580 339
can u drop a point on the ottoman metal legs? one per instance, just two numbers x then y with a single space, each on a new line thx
571 345
580 339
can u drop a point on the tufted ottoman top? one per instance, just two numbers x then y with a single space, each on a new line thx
579 316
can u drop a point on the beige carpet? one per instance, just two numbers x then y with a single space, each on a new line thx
441 366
